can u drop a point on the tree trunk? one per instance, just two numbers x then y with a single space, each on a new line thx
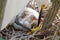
51 14
2 6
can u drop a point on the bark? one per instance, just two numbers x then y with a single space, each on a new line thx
51 14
